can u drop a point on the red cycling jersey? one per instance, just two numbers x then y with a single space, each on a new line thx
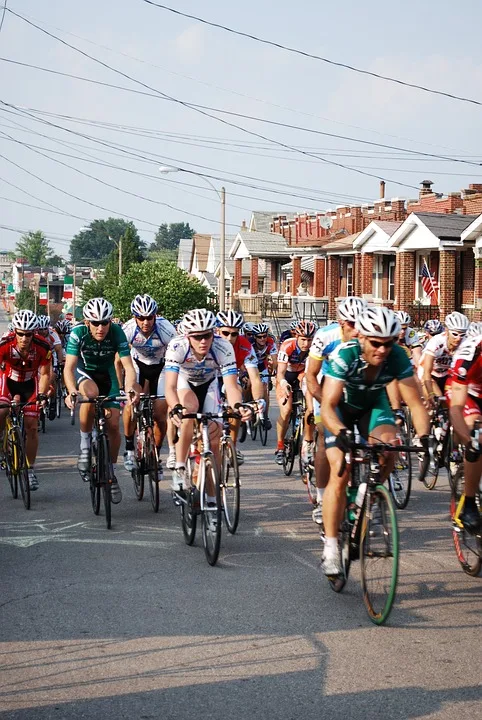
244 353
467 366
291 354
16 367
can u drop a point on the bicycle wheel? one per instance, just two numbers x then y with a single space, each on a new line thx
211 514
379 555
288 456
58 398
263 431
254 429
138 473
103 469
230 488
468 547
243 431
310 480
400 480
428 470
21 469
151 465
10 464
93 479
42 419
338 583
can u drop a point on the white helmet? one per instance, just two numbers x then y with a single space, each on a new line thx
43 322
248 327
458 322
293 324
25 320
98 309
64 326
231 318
143 306
260 329
475 328
404 317
378 322
350 308
198 320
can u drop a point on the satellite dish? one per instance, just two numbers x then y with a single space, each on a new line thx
326 222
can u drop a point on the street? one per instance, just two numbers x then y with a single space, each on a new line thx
132 623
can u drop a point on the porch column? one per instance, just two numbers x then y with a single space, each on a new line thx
319 277
478 284
333 284
296 262
274 277
447 280
253 282
238 274
405 292
357 274
366 274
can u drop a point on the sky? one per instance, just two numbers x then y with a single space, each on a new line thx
78 150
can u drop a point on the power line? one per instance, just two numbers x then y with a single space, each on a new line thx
3 15
203 112
303 53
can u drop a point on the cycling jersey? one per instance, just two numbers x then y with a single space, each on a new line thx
291 353
220 359
437 347
286 335
467 365
347 364
244 353
21 369
151 349
94 355
263 353
411 339
325 341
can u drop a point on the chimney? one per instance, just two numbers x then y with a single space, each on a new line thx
382 189
426 188
243 226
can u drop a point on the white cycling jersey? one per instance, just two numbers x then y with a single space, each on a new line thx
437 347
151 349
220 360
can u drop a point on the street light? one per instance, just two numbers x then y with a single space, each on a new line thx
165 170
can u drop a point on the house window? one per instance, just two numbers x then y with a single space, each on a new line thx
391 280
349 278
377 276
260 287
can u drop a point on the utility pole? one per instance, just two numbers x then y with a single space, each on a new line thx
48 294
222 254
73 291
120 259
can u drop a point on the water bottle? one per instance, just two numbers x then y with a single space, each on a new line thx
360 496
351 493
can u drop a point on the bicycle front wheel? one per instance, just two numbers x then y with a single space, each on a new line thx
379 555
104 477
288 456
152 469
263 432
400 480
230 488
211 512
58 398
21 469
10 464
468 547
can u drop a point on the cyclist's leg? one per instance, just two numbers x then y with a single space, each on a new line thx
334 497
159 409
113 432
309 427
285 406
5 397
189 401
129 422
379 425
472 470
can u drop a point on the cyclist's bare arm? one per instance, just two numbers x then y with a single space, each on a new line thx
394 395
130 375
257 387
44 379
330 399
313 367
458 399
427 383
234 395
411 397
416 355
119 370
59 353
69 373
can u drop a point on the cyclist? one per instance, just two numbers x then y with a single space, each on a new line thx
324 343
248 330
291 367
63 328
148 335
229 327
193 364
432 328
46 331
289 333
354 393
437 355
465 398
408 338
90 371
264 346
25 359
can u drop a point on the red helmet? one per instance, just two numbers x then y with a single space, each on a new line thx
305 328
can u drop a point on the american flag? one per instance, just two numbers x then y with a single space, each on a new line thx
429 284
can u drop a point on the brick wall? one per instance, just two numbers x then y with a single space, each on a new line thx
467 276
319 277
357 274
238 274
296 263
366 274
253 276
447 282
405 264
333 284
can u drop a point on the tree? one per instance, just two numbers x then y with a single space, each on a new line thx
25 300
93 244
92 289
168 236
131 253
35 248
173 289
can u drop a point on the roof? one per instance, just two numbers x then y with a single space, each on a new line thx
263 244
307 263
201 247
444 225
388 226
261 219
341 244
184 252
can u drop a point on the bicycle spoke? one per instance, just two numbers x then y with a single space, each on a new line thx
230 488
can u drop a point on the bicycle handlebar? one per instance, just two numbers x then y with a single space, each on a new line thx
377 449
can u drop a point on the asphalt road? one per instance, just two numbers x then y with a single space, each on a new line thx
132 623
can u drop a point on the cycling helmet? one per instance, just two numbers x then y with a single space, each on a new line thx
458 322
25 320
198 320
43 322
98 309
143 306
378 322
293 324
305 328
248 327
403 317
231 318
10 327
475 328
179 327
260 329
64 326
350 308
433 327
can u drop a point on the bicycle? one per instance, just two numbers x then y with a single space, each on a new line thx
14 456
59 390
145 451
292 441
430 467
468 546
400 479
100 474
369 530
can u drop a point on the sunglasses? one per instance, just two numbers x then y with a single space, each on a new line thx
378 344
96 323
24 334
145 318
204 336
227 333
261 337
456 334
